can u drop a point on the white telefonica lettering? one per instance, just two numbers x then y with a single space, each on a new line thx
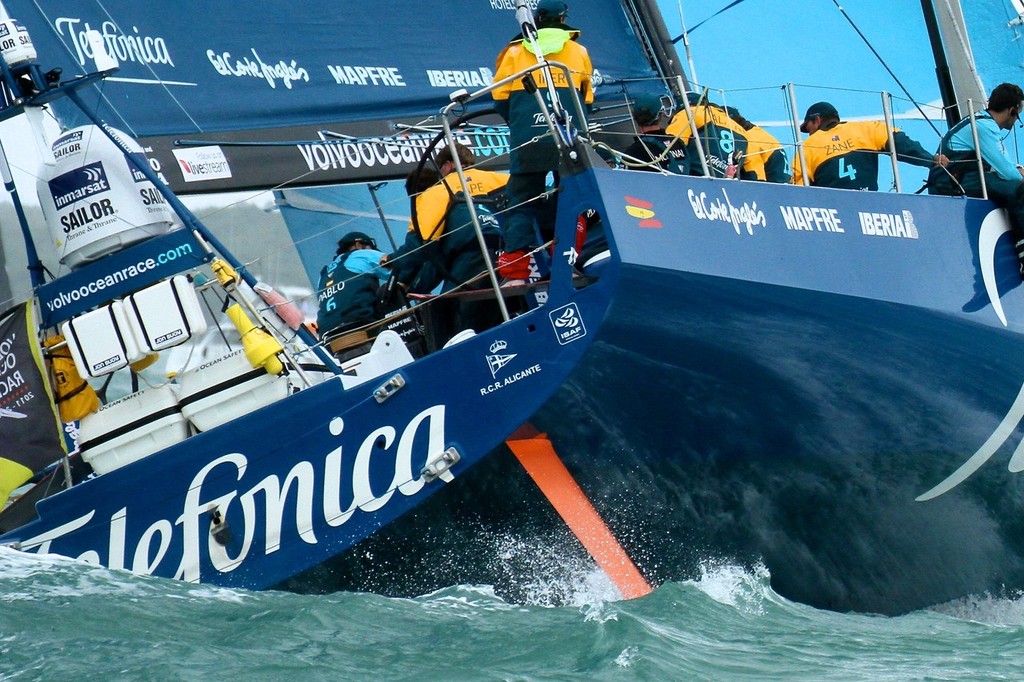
332 481
142 563
115 558
422 438
364 497
41 543
301 475
408 483
194 509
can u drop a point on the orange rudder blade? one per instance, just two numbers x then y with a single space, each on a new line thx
537 455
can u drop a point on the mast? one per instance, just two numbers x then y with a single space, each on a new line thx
946 91
952 47
19 47
654 35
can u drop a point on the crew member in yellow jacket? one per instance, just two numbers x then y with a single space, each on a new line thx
529 161
844 154
767 155
724 141
442 240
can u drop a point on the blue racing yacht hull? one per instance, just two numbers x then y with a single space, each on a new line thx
821 381
824 381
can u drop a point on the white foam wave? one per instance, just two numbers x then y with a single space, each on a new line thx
17 565
986 608
628 656
465 600
544 574
28 576
747 590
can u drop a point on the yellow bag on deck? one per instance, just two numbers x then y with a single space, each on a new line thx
74 396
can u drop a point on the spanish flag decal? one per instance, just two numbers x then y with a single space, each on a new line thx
638 208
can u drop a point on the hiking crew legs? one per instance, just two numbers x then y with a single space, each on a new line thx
1008 194
520 233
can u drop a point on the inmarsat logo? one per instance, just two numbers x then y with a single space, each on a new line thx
79 183
496 360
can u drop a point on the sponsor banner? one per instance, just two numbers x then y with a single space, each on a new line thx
28 421
329 485
67 144
79 184
202 163
93 194
748 216
295 156
717 206
118 274
898 225
812 219
295 64
838 241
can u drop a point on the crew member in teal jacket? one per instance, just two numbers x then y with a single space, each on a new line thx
530 162
347 290
658 150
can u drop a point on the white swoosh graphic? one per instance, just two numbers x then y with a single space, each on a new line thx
1017 461
992 228
998 437
43 540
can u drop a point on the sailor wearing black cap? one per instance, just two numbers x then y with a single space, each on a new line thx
347 289
357 239
844 154
660 151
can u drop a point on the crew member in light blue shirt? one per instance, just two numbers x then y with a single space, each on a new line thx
1004 180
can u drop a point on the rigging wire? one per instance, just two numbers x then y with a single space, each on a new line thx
685 36
71 53
886 66
157 79
701 23
881 61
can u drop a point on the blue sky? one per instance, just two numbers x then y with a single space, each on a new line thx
759 42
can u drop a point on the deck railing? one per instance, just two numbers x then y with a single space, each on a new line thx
614 117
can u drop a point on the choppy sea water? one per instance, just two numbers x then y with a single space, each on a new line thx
62 620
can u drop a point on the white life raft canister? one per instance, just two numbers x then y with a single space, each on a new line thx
94 201
15 44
